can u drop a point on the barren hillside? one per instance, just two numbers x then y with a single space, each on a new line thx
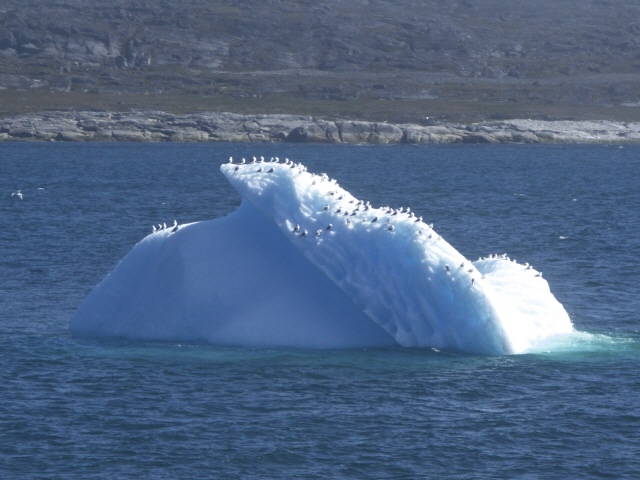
395 60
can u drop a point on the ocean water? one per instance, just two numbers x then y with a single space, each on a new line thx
111 408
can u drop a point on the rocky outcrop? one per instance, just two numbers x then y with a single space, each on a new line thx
229 127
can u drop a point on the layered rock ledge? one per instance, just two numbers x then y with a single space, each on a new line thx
154 126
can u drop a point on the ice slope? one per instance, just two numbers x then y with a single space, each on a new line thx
229 281
304 263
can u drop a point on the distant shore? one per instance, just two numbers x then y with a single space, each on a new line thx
157 126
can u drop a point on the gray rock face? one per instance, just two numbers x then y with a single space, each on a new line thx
228 127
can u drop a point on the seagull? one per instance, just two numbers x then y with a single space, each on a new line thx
154 228
375 219
242 161
175 226
318 233
391 227
230 160
447 268
270 170
304 233
329 226
296 228
18 194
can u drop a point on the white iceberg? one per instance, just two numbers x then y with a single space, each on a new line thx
303 263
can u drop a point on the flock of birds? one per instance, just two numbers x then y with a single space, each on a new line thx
341 204
349 211
163 226
344 204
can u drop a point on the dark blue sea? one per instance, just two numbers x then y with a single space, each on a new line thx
110 408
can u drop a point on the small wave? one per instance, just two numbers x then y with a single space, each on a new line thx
584 342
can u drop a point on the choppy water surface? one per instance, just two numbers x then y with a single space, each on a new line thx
96 408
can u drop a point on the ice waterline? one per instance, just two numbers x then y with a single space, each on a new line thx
304 263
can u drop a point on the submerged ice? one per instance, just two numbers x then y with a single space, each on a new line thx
304 263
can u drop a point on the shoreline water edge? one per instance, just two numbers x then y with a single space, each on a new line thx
157 126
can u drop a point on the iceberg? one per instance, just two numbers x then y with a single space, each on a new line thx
303 263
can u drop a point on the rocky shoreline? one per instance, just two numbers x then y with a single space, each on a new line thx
155 126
